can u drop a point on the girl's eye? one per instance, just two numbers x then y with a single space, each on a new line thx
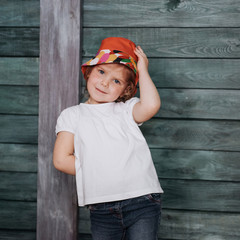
101 71
116 81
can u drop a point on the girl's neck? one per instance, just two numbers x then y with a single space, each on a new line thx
90 101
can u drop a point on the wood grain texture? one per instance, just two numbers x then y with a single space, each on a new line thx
177 164
157 42
178 224
192 134
193 73
194 225
18 129
13 235
201 195
16 215
176 103
166 13
171 42
19 100
18 157
19 71
201 104
174 134
19 13
19 42
163 13
178 194
18 186
198 165
58 88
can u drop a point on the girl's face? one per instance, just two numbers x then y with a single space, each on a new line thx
106 83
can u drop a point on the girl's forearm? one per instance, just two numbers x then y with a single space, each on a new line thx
149 97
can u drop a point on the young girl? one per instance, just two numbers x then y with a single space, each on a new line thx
100 142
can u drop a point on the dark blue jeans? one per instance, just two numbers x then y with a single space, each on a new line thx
131 219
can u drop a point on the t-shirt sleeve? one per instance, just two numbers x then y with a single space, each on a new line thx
67 121
130 104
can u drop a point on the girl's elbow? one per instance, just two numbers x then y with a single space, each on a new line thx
56 164
155 107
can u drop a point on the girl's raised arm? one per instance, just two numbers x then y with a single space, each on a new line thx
150 102
63 153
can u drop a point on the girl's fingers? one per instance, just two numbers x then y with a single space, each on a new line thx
138 50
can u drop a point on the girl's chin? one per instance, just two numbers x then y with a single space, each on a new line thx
100 99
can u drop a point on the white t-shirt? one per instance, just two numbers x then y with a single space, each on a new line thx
112 159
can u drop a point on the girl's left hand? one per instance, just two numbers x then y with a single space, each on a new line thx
142 64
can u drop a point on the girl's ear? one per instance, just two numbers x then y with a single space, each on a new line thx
126 91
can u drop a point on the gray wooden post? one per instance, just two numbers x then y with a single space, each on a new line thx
60 30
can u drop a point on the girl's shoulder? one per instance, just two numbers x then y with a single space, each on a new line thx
67 120
74 108
70 111
129 103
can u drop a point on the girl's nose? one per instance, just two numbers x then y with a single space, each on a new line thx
104 82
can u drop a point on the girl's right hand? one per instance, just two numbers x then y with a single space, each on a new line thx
142 64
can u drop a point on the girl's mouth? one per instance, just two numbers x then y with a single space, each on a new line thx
99 90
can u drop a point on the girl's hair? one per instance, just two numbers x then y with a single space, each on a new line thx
130 90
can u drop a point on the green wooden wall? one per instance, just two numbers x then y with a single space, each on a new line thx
194 53
19 52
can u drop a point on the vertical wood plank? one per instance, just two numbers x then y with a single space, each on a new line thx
60 30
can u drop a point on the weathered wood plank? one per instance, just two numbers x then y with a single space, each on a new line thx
18 186
198 135
178 164
201 165
82 236
22 42
18 157
165 13
171 42
19 13
13 235
201 104
177 224
19 71
18 129
173 134
196 225
157 42
59 66
180 103
89 237
201 195
18 215
19 100
193 73
179 194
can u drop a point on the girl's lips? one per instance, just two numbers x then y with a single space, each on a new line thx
100 91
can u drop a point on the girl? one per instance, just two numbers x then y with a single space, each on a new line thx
99 141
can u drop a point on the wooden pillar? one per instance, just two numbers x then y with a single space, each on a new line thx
60 43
